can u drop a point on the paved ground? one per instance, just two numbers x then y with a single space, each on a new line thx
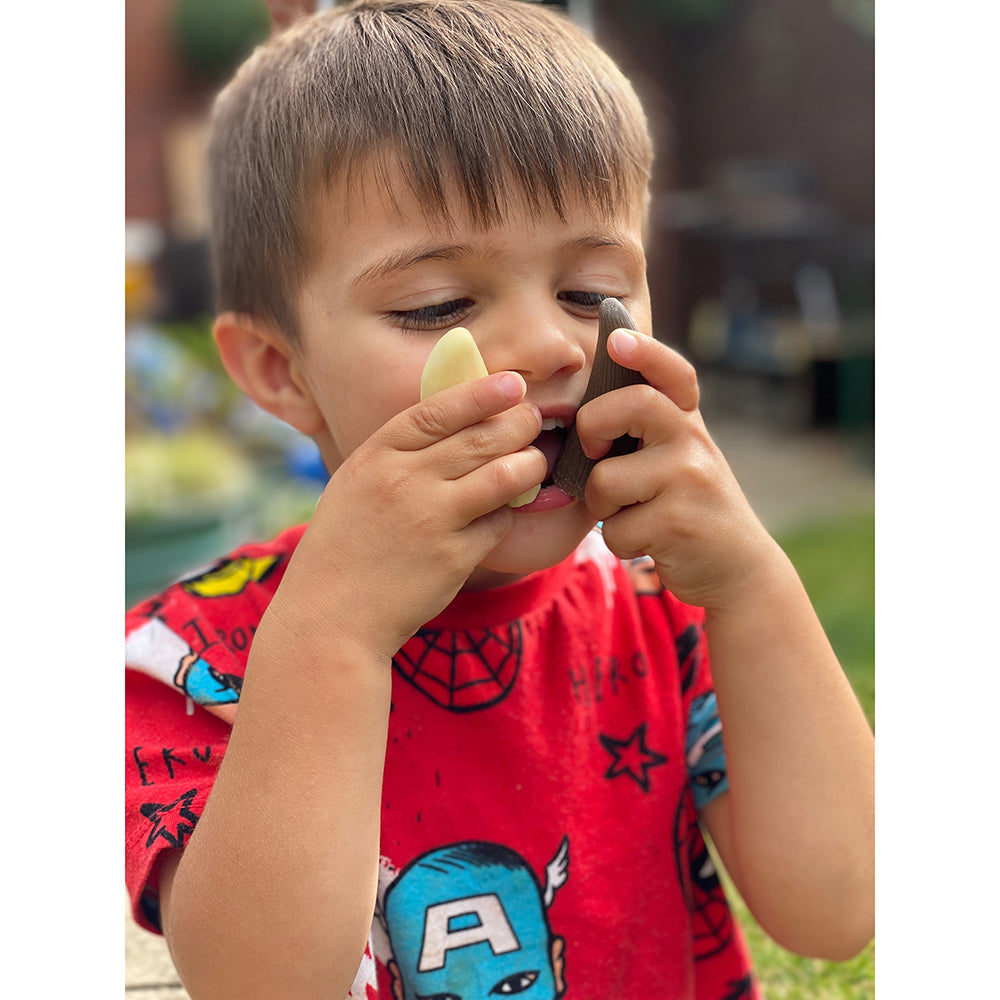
789 477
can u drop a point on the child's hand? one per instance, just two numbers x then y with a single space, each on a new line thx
411 512
674 499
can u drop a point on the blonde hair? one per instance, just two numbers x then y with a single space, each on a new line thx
491 95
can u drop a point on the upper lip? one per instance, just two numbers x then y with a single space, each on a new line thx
565 414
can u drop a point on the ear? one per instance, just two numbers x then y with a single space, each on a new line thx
267 368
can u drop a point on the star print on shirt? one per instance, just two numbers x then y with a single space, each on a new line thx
631 757
172 821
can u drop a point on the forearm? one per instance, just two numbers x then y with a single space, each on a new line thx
801 768
275 892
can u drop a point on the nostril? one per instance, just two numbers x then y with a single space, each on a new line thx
572 369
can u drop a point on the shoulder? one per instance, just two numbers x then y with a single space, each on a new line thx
195 635
634 583
629 599
249 572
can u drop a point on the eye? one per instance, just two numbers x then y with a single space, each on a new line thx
517 983
431 317
585 303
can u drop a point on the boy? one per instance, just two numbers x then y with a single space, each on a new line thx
494 729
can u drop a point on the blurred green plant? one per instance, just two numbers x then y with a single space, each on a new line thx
171 475
174 378
195 337
836 562
214 36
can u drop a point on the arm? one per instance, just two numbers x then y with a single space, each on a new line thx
795 830
274 894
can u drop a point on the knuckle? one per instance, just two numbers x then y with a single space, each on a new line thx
600 479
430 419
391 487
619 539
646 396
503 474
481 439
687 381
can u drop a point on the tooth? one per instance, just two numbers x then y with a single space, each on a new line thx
551 423
573 468
454 359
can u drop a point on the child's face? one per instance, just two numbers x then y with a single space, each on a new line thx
387 283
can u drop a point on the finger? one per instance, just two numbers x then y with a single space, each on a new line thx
630 533
495 483
623 481
640 411
661 366
450 410
499 435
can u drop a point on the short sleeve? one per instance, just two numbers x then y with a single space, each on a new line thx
186 651
171 760
704 752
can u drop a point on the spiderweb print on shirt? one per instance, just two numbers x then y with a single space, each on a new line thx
462 671
711 919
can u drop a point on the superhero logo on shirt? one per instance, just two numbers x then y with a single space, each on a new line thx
706 755
205 685
462 671
157 650
711 920
469 922
230 576
642 572
688 654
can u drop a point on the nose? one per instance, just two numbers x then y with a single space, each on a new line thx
539 342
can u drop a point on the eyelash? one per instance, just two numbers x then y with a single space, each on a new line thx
442 314
590 300
431 317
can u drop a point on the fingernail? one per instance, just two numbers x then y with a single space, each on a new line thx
623 342
512 386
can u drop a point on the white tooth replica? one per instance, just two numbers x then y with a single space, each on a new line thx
455 359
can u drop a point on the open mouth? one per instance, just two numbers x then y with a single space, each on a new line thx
550 443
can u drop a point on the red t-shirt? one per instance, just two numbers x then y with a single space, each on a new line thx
539 827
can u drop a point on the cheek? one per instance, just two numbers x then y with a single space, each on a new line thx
365 392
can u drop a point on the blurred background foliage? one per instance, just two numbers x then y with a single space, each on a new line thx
214 36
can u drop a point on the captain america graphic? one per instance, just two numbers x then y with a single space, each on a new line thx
468 922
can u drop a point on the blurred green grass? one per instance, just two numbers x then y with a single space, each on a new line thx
836 561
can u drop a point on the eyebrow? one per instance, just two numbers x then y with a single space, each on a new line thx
401 260
405 258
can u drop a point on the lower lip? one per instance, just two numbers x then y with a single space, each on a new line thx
549 498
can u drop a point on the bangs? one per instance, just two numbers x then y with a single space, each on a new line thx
459 104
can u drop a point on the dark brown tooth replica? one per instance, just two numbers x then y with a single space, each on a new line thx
573 467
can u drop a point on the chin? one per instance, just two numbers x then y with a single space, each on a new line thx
537 542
